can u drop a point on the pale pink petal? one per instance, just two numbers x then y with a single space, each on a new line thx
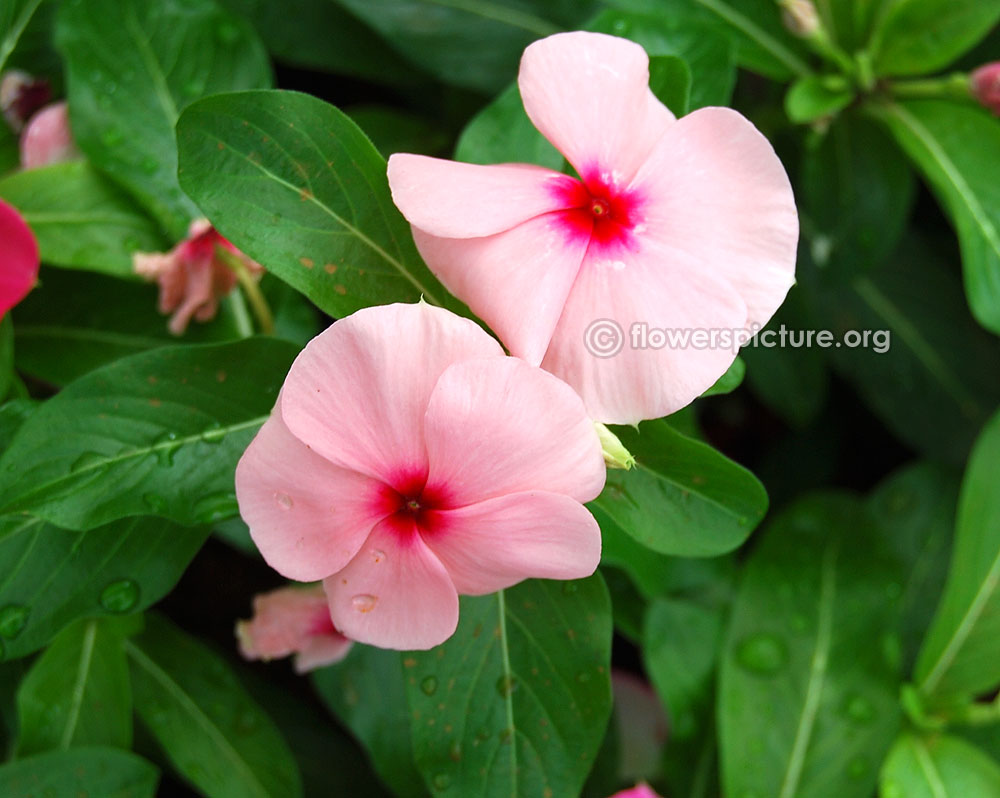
322 650
718 200
358 392
497 543
588 93
642 287
19 259
641 790
500 426
463 200
197 294
307 516
283 620
395 593
517 281
47 139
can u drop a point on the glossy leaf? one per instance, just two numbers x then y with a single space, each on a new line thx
683 497
804 710
13 414
6 356
295 184
15 16
521 691
212 732
132 67
729 381
81 219
958 657
78 693
816 97
159 432
670 81
55 576
938 767
108 772
954 146
392 130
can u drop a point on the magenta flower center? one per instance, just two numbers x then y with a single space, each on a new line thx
411 505
597 210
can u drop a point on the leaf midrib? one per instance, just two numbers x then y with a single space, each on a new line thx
79 685
762 37
503 14
929 770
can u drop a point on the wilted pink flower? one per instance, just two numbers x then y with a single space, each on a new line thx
408 461
686 223
192 276
20 96
986 86
292 620
18 258
642 790
48 139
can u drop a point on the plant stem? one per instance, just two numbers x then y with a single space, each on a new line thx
951 87
251 289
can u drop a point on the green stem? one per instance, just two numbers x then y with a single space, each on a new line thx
977 714
951 87
251 289
238 305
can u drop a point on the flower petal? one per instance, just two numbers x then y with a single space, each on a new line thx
516 281
19 258
627 288
501 426
588 93
464 200
394 594
358 392
322 650
719 200
307 516
497 543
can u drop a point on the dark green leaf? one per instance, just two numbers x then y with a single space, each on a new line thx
670 81
15 15
392 130
159 432
683 497
7 375
216 736
938 767
521 691
132 67
958 657
295 184
78 693
55 576
81 220
12 415
729 381
816 96
809 679
104 772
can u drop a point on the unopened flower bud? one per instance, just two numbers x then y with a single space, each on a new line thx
615 453
986 86
48 139
800 17
20 96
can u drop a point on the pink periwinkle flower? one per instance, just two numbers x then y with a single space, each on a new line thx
48 139
674 223
292 620
19 258
641 790
20 96
409 461
986 86
192 277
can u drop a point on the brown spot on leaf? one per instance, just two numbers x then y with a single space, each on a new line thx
340 289
330 268
307 262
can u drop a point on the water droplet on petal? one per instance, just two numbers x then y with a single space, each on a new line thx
859 709
155 502
429 685
13 618
88 461
120 596
762 654
506 685
284 501
364 602
216 507
378 555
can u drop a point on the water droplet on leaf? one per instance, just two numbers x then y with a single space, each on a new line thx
763 654
506 685
216 507
87 461
155 502
13 618
859 709
364 602
429 685
214 433
442 781
120 596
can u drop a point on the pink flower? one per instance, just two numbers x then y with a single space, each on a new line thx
679 223
48 139
408 461
192 276
986 86
20 96
292 620
641 790
19 258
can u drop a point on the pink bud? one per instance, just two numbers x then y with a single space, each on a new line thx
986 86
641 790
47 139
20 96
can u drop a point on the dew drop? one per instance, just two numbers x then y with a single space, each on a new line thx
165 447
216 507
120 596
859 709
506 685
378 555
429 685
87 461
583 677
13 618
620 26
214 433
155 502
763 654
442 781
364 602
284 501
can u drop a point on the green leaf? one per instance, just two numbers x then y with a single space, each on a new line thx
107 772
729 381
521 691
921 36
15 15
77 693
55 576
858 192
132 67
159 432
958 658
684 497
938 767
367 693
392 130
295 184
81 220
670 81
213 733
7 375
953 145
810 675
12 415
817 96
